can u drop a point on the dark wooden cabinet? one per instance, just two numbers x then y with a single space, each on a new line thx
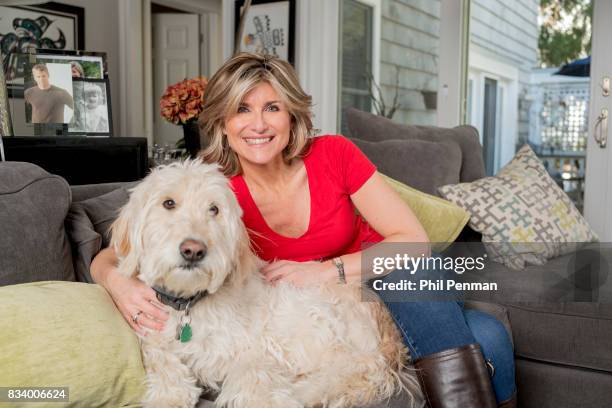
83 160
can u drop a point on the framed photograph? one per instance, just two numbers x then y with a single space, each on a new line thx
92 108
269 27
48 93
66 93
48 86
24 28
84 64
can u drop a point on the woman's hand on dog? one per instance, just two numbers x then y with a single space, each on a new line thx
298 274
134 298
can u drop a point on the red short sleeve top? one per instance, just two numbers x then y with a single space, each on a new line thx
336 169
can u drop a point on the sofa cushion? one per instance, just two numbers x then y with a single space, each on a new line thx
553 304
86 191
69 334
524 217
33 242
103 211
417 163
556 386
441 219
580 332
373 128
88 224
85 241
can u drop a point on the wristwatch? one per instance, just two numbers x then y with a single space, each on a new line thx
340 266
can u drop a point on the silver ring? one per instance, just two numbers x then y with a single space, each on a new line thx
490 366
136 316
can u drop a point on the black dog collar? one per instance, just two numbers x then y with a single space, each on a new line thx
178 303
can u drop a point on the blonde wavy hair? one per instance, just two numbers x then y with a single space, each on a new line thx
225 92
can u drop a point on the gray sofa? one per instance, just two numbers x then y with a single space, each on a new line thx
563 350
562 330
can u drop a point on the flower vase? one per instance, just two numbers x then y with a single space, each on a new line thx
191 136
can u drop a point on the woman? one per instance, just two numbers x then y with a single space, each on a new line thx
77 69
298 194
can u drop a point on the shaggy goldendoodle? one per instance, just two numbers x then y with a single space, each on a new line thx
257 345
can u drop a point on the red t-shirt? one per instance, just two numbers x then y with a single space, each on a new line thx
336 169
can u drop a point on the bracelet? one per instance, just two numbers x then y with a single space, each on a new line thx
340 266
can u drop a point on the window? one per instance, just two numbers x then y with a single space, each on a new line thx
356 33
469 101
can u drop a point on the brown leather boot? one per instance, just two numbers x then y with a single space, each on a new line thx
456 378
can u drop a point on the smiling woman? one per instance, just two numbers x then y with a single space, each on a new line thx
310 205
252 85
259 131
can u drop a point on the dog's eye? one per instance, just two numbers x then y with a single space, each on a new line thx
169 204
214 210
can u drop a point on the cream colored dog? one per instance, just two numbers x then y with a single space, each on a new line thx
257 345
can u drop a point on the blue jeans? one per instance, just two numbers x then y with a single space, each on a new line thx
432 326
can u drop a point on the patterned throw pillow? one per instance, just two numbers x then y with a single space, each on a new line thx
523 216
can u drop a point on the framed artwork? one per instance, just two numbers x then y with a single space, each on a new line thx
24 28
269 27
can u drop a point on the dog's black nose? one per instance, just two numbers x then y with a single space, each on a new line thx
192 250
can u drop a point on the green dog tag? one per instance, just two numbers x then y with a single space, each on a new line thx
186 333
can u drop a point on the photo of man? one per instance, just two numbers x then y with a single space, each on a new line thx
47 101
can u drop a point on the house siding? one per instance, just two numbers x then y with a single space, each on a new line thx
409 44
504 31
508 32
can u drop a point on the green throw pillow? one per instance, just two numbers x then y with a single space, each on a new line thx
442 220
69 334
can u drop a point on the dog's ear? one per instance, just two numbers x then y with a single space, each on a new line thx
246 261
125 235
120 239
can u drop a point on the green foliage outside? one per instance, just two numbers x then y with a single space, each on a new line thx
565 31
92 69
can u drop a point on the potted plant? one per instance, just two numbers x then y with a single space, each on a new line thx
182 104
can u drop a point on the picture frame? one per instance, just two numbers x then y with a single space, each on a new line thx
96 120
50 25
269 27
51 101
93 64
79 119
